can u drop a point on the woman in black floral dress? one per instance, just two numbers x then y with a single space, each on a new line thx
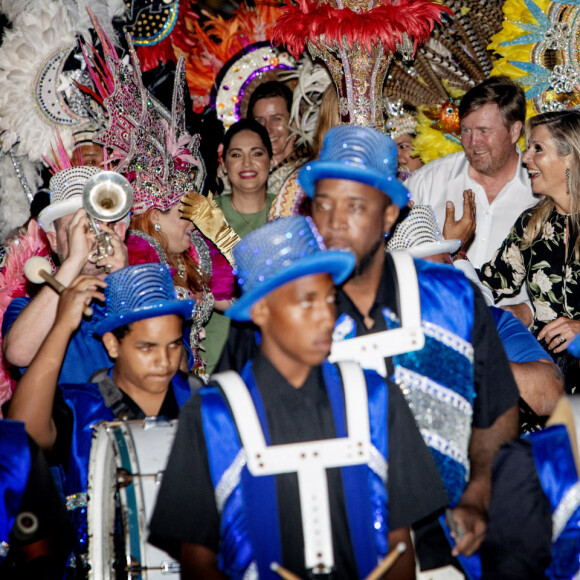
542 249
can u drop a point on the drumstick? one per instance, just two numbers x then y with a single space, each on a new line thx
282 572
37 269
388 562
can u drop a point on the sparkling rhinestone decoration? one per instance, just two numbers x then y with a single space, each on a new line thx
564 78
557 36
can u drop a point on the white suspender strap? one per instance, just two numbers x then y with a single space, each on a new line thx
309 460
371 350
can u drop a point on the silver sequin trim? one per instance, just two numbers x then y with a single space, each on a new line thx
378 464
449 339
565 510
152 242
252 572
77 500
443 416
229 480
202 250
446 447
4 547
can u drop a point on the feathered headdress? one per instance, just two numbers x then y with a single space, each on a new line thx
538 48
357 40
152 145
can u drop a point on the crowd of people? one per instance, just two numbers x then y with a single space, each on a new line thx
394 393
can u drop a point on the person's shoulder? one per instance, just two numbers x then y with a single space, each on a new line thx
80 394
443 273
447 164
222 199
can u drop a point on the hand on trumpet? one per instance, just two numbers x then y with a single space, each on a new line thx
75 241
75 299
119 257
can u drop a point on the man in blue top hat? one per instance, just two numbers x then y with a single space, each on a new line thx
286 465
459 383
142 330
442 348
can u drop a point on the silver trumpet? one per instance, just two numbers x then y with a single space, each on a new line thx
107 197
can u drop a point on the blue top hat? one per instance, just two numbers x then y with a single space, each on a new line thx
279 252
138 292
358 154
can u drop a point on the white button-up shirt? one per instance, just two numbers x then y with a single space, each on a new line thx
447 178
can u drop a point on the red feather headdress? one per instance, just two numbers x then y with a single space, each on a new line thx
357 40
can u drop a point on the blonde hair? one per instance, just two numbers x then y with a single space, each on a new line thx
195 280
328 117
564 128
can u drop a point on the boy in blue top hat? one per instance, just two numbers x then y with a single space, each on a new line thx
286 465
142 331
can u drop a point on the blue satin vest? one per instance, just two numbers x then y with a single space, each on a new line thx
438 381
557 473
14 471
88 409
248 505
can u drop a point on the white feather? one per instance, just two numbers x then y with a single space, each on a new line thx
13 200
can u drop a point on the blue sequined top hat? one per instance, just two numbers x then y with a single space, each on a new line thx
138 292
358 154
420 236
66 188
279 252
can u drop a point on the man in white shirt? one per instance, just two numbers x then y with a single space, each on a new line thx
487 178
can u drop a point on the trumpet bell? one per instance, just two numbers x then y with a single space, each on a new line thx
107 196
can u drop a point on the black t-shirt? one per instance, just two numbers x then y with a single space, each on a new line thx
494 383
186 509
518 539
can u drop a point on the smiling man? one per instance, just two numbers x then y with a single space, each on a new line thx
270 104
142 331
489 172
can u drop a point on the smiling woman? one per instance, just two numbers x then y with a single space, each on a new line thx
246 160
542 251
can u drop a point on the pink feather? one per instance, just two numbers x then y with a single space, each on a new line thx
13 285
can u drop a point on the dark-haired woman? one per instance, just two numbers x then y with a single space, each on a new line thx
246 161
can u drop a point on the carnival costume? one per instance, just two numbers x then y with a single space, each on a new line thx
132 294
15 465
163 164
249 455
425 330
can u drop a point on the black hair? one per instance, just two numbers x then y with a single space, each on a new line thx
246 125
269 90
122 331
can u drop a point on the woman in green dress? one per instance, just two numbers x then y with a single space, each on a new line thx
246 161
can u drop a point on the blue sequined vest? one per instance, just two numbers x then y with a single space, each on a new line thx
15 468
247 505
557 473
438 381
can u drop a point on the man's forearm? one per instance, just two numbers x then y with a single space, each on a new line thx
482 449
24 338
198 563
33 398
540 383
